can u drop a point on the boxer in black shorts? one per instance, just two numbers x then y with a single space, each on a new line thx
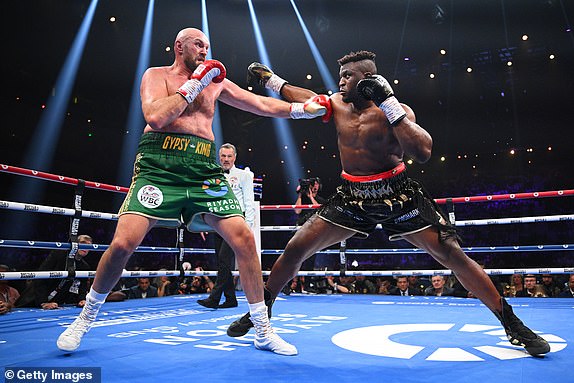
374 133
391 199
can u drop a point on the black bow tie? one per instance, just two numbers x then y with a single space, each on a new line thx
226 171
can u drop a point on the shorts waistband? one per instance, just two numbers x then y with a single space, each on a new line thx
375 177
180 145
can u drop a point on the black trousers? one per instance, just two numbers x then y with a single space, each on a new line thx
225 264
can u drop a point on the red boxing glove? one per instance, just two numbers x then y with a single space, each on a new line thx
324 100
209 71
206 73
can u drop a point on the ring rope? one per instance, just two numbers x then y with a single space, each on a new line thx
19 206
77 213
96 185
15 275
9 205
191 250
60 179
472 222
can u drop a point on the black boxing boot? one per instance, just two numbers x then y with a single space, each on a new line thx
520 335
242 325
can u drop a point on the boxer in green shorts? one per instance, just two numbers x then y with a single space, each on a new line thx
177 179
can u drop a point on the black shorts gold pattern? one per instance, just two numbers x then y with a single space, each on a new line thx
399 204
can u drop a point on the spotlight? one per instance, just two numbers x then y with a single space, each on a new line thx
552 57
112 19
469 69
309 77
168 49
396 82
442 52
509 63
524 37
431 75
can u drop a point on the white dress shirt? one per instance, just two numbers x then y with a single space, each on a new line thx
241 182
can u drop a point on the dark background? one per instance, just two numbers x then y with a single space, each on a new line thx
478 116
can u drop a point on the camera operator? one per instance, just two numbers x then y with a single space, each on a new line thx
307 195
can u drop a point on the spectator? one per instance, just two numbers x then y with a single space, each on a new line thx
568 292
551 289
516 286
8 294
144 289
197 284
297 285
402 288
165 286
342 285
50 294
438 287
417 284
383 286
363 285
531 288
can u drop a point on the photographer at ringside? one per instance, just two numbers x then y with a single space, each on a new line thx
307 195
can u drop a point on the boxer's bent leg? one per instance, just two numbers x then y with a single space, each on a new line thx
316 234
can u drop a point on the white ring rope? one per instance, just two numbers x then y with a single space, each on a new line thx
15 275
111 216
18 206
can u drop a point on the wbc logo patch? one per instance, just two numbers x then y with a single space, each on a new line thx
150 196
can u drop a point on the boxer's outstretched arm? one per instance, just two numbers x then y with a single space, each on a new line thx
294 93
263 75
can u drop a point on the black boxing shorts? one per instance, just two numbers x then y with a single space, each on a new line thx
392 199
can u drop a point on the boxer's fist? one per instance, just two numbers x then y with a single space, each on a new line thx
202 76
210 70
309 109
378 89
375 88
324 100
264 76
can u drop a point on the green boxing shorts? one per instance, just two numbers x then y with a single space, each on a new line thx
177 179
